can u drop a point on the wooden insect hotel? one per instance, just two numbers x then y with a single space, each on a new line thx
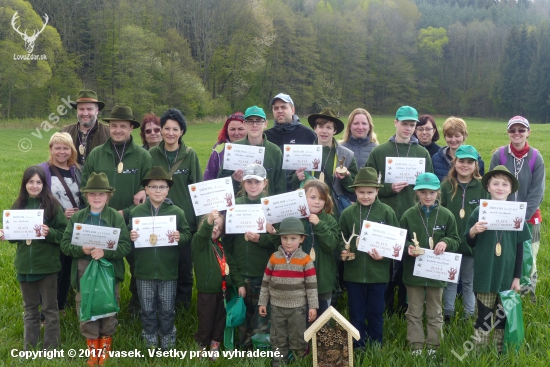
332 340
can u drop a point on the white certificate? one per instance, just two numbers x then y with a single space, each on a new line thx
164 228
445 267
245 218
291 204
96 236
503 215
296 156
238 156
400 169
387 240
23 224
214 194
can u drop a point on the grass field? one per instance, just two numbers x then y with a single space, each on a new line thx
485 135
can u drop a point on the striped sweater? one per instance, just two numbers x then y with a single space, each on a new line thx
287 283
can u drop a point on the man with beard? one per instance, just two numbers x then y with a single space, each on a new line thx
87 133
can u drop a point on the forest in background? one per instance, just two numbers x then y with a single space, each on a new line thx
481 58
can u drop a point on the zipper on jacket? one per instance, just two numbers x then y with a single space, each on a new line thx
208 278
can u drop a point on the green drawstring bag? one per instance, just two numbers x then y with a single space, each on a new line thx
514 333
235 314
97 290
527 267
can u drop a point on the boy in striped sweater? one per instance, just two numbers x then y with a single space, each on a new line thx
289 281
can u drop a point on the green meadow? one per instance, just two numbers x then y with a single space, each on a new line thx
485 135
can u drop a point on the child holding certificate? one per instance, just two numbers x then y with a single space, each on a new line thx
366 277
429 225
460 193
251 252
215 274
37 261
323 239
156 268
498 259
99 333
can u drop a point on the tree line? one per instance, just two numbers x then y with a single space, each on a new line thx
485 58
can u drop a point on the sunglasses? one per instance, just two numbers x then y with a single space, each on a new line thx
149 131
513 131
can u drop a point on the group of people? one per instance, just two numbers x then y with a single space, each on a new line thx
97 174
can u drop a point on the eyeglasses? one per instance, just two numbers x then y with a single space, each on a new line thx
149 131
158 188
513 131
424 129
254 122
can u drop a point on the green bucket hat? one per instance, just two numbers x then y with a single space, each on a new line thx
87 96
467 152
427 180
157 173
406 113
255 111
368 177
122 113
291 226
500 170
329 114
97 182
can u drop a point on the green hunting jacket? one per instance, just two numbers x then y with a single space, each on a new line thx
273 163
208 275
364 269
159 262
109 218
250 257
444 230
187 173
41 256
474 192
403 200
324 237
137 163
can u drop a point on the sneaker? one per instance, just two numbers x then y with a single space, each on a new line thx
416 352
214 347
432 352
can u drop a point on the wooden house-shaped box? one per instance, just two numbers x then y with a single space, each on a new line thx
332 345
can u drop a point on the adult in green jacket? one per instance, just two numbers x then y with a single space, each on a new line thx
125 163
255 122
173 155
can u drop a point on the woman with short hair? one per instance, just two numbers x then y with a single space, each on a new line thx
150 131
427 134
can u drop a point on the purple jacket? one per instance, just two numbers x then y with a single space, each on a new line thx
215 162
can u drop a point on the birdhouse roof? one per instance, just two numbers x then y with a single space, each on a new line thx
331 313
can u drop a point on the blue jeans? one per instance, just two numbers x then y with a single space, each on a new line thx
468 297
366 302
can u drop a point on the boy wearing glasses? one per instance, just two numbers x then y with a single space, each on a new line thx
255 121
156 267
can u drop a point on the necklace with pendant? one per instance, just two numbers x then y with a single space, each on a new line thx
430 238
462 211
222 260
82 143
120 166
498 247
397 150
322 174
153 237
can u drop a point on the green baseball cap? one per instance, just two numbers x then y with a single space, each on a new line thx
291 226
255 111
500 170
427 180
406 113
467 152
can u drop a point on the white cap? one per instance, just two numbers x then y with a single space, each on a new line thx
518 120
254 172
283 97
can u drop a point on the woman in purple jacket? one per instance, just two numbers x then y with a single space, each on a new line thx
232 130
